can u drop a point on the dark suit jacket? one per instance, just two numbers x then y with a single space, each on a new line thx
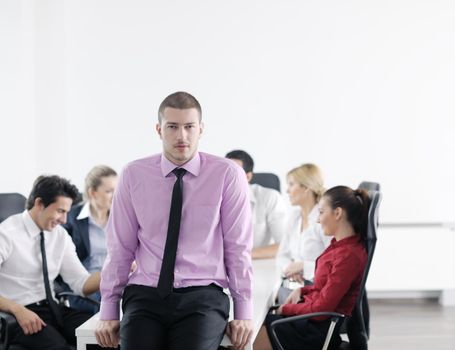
78 230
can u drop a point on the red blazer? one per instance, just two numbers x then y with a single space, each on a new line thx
338 274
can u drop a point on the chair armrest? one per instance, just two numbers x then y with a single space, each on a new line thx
7 321
334 316
64 295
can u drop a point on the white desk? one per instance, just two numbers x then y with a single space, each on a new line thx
266 281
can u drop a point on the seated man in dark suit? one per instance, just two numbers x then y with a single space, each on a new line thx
34 250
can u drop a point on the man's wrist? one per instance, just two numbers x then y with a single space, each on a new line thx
14 308
109 311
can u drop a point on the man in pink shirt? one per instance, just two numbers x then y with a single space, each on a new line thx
184 216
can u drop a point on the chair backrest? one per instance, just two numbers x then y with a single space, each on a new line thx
10 204
370 186
268 180
357 325
370 243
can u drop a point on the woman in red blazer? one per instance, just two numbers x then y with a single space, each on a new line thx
343 214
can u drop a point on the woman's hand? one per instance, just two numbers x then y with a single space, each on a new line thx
294 271
296 278
294 297
279 311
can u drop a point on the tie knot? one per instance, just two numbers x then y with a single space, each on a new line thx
179 172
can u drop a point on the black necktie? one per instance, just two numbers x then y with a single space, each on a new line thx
52 304
166 279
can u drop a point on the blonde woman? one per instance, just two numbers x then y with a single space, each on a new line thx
87 221
304 238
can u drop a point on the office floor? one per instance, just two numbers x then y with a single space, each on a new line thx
411 324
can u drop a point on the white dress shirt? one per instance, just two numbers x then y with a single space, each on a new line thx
304 245
21 274
269 215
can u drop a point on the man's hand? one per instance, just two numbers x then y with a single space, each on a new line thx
30 322
240 333
107 333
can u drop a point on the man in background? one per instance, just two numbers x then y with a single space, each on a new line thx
269 211
34 250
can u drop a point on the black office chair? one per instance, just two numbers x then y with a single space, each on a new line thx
10 204
370 186
268 180
352 327
357 337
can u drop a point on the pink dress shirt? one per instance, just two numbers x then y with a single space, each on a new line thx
215 238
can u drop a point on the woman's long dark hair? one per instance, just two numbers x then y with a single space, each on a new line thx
355 203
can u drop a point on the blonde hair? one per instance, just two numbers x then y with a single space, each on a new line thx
310 176
94 177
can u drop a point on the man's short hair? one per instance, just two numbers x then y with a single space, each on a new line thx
247 161
179 100
48 188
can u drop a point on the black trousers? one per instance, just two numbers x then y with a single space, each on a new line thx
51 337
192 318
302 335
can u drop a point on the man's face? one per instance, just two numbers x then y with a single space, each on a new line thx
180 130
249 175
54 214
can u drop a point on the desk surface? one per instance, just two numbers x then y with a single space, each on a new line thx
266 281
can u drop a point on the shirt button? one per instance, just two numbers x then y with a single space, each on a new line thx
176 270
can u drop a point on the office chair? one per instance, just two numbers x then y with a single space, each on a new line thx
10 204
351 326
268 180
370 186
358 337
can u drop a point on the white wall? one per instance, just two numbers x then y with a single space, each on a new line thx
17 96
364 89
413 259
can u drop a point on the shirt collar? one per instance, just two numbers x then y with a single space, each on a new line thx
345 241
30 226
193 166
85 212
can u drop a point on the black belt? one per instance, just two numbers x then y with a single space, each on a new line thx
39 303
189 289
